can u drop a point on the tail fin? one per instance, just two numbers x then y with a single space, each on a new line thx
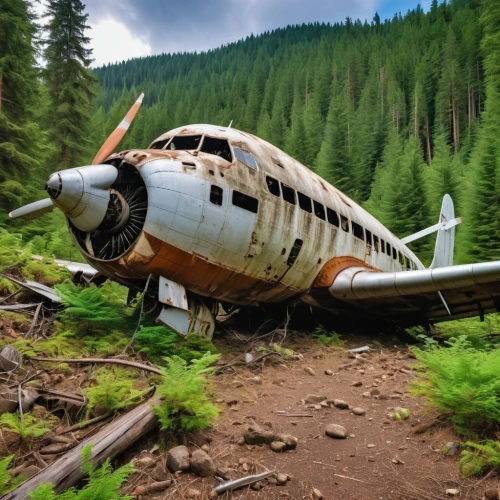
445 241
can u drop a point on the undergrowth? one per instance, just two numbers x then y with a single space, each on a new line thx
462 380
113 390
101 483
6 482
158 342
479 458
331 339
29 426
185 405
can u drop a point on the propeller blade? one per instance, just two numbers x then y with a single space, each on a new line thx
117 135
33 210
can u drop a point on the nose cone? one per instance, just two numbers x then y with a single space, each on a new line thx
54 186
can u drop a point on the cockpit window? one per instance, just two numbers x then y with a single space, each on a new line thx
246 158
184 142
159 144
218 147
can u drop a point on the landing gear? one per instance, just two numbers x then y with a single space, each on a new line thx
182 312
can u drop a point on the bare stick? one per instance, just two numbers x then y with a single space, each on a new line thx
35 319
91 361
82 425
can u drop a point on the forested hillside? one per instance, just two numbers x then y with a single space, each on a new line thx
393 112
389 112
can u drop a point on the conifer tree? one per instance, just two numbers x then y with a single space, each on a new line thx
71 85
19 96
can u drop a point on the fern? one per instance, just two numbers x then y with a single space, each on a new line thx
462 380
325 337
90 307
158 342
185 404
27 427
112 392
4 474
480 457
102 483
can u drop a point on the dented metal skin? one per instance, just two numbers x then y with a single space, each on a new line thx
230 253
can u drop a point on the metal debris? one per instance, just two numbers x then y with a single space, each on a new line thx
242 481
37 288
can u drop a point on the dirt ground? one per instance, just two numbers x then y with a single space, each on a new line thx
381 459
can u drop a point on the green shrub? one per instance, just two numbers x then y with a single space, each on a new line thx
113 391
91 308
325 337
102 483
479 458
158 342
4 474
29 426
462 380
185 404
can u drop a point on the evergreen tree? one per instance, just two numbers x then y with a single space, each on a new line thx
20 137
71 85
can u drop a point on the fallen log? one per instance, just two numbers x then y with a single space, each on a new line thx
107 443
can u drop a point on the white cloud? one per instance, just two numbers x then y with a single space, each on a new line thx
113 41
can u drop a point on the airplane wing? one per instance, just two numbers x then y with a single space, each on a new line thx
438 294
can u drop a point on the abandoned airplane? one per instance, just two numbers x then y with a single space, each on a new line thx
210 215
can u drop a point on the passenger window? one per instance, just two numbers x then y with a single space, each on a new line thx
376 244
273 185
406 262
288 194
368 237
344 223
184 142
246 158
216 195
394 254
217 147
357 230
333 217
401 259
388 249
246 202
304 202
294 252
319 210
382 245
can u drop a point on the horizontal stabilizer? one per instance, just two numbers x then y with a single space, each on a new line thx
440 226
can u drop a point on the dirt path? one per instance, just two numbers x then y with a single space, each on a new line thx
381 458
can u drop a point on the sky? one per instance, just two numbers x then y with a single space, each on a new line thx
123 29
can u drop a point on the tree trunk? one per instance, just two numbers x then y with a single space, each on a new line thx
107 443
428 140
1 81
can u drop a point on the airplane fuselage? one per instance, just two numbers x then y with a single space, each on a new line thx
230 216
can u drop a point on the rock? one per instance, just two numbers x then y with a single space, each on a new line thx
290 441
144 462
328 372
309 371
375 392
159 473
28 397
358 383
366 394
192 493
278 446
241 441
281 478
8 403
452 492
256 486
10 359
314 399
336 431
491 494
30 471
340 404
384 397
256 435
202 464
223 472
370 446
450 448
370 459
178 459
316 494
358 411
237 383
256 380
